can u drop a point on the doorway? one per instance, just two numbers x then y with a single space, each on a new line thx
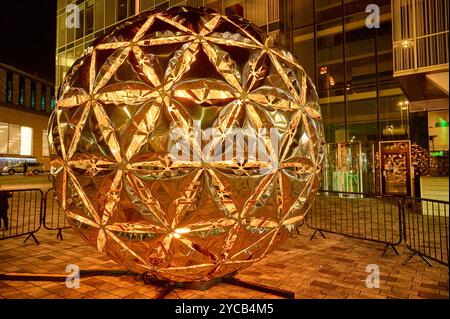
344 167
395 166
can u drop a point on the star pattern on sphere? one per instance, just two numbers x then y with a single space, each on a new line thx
185 220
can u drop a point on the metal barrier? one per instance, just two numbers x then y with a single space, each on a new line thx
425 229
375 218
54 217
23 216
422 223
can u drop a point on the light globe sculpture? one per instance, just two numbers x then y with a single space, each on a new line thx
185 145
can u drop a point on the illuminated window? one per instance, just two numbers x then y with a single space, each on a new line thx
33 95
43 97
62 30
21 90
45 151
3 138
52 100
16 139
9 87
26 140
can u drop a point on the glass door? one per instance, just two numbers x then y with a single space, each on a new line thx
344 167
395 167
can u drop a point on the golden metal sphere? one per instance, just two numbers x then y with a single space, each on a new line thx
242 113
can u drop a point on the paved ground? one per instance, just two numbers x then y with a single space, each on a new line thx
321 268
19 181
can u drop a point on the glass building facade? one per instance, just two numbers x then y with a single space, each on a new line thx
350 63
97 17
26 103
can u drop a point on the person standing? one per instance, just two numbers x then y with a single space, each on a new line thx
4 195
25 168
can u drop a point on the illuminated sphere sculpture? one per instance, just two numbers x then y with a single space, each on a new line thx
150 91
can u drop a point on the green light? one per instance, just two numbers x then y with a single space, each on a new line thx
442 123
437 153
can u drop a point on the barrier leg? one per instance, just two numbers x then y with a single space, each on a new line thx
298 227
32 236
393 248
59 235
315 232
420 255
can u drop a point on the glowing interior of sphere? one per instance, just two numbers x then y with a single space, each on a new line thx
148 92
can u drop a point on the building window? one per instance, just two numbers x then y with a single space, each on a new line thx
235 7
304 49
13 139
360 48
393 112
110 14
4 138
16 139
384 52
99 14
332 104
26 140
45 150
125 9
89 22
122 10
43 96
33 95
62 30
9 87
328 10
438 131
330 56
132 8
52 99
303 13
361 108
21 90
79 32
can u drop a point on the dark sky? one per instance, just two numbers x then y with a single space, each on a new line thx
28 36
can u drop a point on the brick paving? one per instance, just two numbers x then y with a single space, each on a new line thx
313 269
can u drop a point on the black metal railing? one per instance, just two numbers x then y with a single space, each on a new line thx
369 217
53 217
23 213
425 229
